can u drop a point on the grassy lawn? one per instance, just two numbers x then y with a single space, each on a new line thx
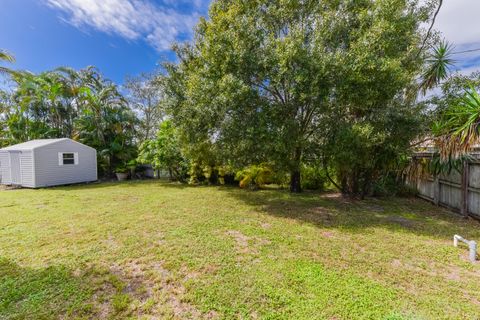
159 250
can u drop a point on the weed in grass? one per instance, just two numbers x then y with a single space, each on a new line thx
120 302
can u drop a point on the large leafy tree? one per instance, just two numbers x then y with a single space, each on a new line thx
284 81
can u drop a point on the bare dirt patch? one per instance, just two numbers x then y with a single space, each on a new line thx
174 292
265 225
153 291
245 244
328 234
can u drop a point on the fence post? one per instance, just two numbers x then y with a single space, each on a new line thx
465 178
436 190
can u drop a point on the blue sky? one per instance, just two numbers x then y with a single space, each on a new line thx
120 37
126 37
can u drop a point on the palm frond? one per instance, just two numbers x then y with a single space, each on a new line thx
459 131
5 56
438 66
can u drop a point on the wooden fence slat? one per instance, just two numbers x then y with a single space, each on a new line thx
465 179
459 192
436 191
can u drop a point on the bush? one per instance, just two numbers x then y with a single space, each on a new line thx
313 178
254 176
208 174
391 185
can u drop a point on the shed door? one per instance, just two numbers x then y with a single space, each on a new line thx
15 168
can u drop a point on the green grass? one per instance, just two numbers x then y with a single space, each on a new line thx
159 250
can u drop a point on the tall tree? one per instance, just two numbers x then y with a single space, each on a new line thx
105 121
144 96
66 103
274 80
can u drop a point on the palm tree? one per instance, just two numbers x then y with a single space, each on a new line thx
4 56
439 62
459 129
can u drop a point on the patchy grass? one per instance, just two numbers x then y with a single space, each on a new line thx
160 250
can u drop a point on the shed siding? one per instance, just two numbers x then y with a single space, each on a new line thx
26 168
5 168
48 172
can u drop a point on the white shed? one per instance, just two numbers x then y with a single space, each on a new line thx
47 162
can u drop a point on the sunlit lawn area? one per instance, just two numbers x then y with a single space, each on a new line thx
160 250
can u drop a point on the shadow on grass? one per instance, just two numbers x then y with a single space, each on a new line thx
332 210
58 292
119 184
47 293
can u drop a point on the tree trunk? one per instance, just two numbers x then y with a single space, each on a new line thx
295 178
295 183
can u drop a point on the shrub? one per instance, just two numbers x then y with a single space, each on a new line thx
313 178
392 185
254 176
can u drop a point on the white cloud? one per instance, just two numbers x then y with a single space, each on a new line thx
130 19
459 23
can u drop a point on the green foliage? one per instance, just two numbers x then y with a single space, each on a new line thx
269 82
458 131
365 151
313 178
81 105
255 176
454 129
164 152
120 302
438 63
209 174
121 168
392 185
6 57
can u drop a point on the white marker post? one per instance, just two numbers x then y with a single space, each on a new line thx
472 246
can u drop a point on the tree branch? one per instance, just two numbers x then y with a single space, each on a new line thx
424 42
329 178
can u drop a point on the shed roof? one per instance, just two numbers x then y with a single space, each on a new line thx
32 144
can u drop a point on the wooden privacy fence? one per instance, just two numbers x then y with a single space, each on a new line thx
459 191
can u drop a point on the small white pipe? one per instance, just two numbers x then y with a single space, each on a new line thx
472 246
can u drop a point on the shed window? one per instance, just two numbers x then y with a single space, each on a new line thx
67 158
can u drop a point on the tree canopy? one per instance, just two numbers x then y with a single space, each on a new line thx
66 103
290 82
